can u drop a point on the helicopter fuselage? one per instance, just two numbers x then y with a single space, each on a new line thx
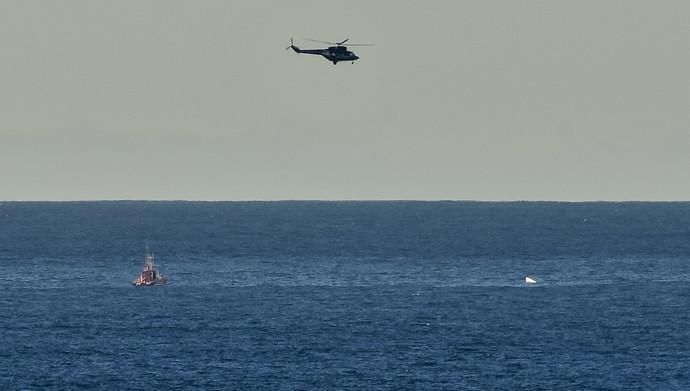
333 54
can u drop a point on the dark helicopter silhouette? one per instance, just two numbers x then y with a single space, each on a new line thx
334 54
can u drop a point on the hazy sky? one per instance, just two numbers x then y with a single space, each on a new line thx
485 100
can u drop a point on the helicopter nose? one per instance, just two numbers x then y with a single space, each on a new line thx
356 57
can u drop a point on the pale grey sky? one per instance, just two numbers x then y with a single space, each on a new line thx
484 100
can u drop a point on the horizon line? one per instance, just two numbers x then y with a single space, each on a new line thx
350 200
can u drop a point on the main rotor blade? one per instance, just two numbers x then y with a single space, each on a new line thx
315 40
340 43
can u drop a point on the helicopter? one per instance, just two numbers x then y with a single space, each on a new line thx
335 53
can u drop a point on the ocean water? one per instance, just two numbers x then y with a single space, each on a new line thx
345 296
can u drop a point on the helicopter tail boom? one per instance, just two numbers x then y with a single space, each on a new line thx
303 51
293 47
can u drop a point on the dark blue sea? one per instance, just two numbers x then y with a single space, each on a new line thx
345 296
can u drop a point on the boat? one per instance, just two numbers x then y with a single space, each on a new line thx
150 275
530 280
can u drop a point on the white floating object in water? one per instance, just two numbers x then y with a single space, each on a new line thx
530 280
